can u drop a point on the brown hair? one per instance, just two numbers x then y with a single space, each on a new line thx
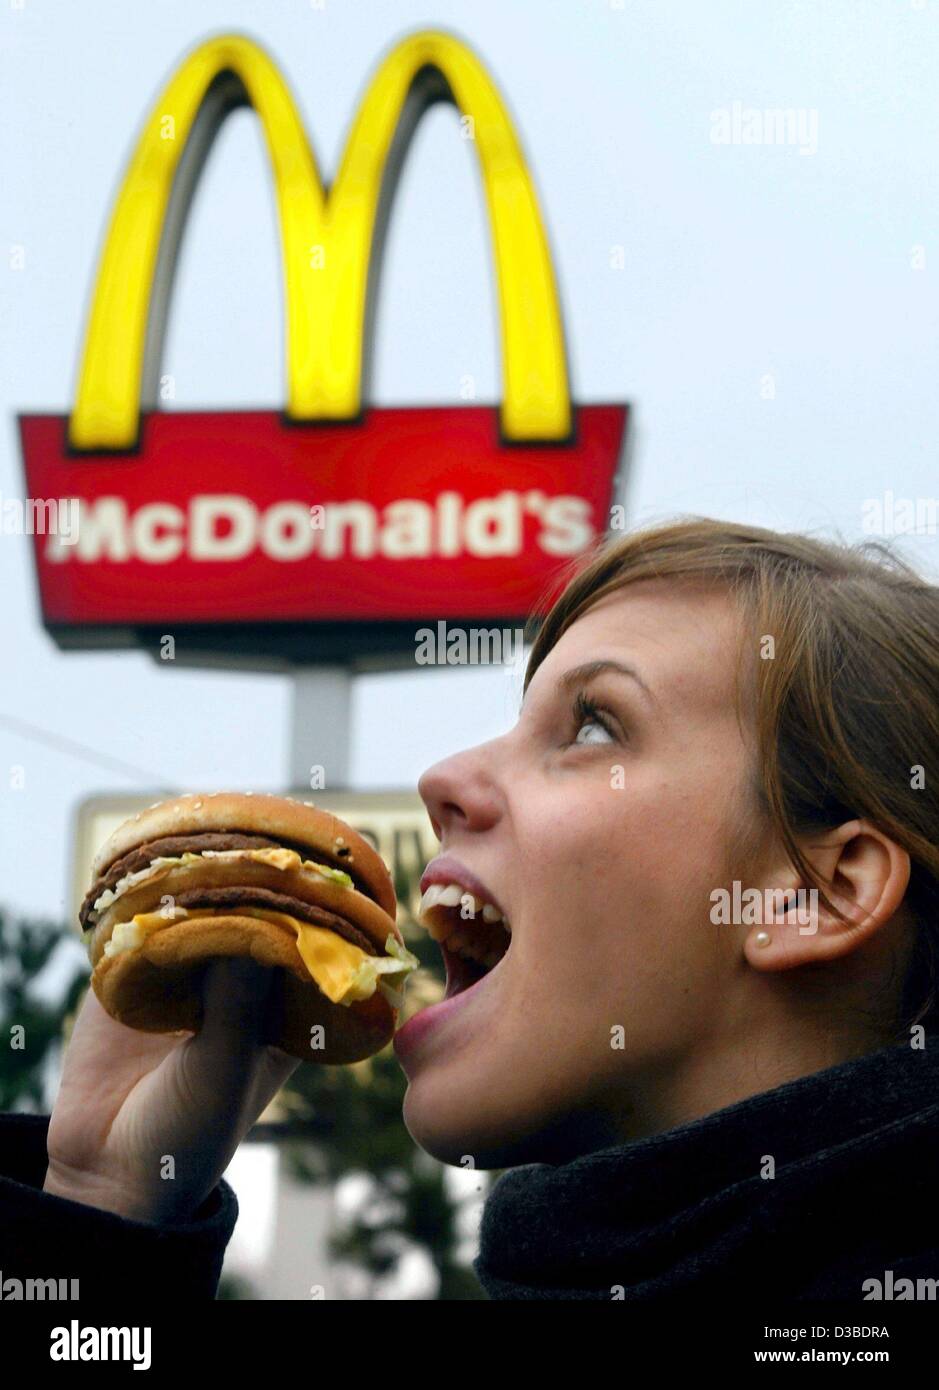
847 709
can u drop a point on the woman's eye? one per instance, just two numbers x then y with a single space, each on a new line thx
588 718
592 725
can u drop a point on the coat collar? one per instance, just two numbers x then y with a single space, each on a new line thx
695 1209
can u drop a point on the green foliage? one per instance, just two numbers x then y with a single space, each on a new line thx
234 1288
26 947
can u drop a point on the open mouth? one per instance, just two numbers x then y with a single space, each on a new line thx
462 974
473 936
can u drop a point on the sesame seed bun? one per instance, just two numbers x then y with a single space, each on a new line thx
279 817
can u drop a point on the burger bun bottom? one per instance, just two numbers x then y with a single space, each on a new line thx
157 988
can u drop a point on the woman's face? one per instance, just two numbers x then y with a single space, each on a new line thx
602 837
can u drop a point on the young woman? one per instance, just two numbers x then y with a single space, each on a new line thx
708 1059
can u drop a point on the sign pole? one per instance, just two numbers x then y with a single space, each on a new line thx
320 728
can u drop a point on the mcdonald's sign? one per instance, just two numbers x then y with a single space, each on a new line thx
328 529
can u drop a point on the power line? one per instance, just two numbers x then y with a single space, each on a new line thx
81 751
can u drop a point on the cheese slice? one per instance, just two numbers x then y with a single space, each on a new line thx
345 973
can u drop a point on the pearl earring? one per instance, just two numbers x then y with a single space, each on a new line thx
762 938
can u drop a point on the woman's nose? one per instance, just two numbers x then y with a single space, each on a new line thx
462 792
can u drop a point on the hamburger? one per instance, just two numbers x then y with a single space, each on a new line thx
280 881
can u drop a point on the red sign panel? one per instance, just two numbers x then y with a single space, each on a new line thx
242 517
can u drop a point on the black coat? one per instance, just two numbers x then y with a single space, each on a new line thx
48 1237
853 1152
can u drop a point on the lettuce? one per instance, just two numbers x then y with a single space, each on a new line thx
395 967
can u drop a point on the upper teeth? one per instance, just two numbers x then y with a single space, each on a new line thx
455 895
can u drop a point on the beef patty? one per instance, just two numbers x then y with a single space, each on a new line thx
172 846
277 902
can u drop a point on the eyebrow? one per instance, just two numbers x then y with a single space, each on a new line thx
577 675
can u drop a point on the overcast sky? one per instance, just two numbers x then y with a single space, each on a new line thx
692 272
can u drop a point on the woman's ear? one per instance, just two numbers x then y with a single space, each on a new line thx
864 873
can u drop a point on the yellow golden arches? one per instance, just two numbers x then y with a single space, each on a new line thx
327 242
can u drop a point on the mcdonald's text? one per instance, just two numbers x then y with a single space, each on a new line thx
227 527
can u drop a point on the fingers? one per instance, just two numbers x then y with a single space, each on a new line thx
101 1050
195 1100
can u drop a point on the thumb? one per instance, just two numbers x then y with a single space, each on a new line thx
235 995
219 1061
229 1059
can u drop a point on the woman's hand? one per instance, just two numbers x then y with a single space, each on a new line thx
146 1123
